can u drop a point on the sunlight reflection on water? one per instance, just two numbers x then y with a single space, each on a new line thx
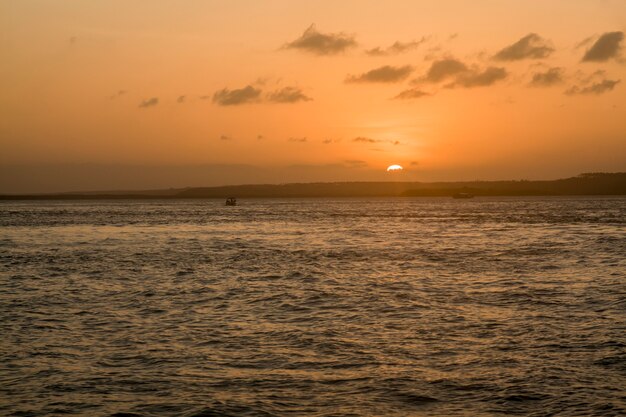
314 307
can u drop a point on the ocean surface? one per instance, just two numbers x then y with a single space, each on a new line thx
314 307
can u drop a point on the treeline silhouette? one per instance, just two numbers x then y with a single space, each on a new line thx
594 183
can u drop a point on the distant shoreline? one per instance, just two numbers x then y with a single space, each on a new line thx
97 197
590 184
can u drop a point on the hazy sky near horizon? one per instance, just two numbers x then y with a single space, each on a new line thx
448 89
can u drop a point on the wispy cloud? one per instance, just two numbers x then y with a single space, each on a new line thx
364 139
225 137
596 88
355 163
226 97
299 140
476 78
443 69
151 102
459 75
584 42
119 93
329 141
181 99
396 48
548 78
322 43
606 47
411 93
531 46
288 95
384 74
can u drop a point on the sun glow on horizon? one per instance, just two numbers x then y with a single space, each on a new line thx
394 168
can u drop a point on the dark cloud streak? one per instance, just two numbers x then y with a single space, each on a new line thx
597 88
606 47
531 46
356 163
552 76
385 74
412 93
226 97
396 48
288 95
485 78
151 102
364 139
322 43
443 69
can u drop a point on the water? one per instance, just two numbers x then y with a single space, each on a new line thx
373 307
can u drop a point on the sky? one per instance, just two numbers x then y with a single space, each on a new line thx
118 94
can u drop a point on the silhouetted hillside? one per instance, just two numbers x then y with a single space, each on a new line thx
584 184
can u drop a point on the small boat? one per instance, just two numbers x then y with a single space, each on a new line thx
462 195
231 201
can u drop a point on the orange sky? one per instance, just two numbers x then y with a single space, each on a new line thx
212 92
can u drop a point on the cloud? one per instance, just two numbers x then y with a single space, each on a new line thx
411 94
301 140
474 78
606 47
288 95
364 139
444 68
531 46
180 99
149 102
461 75
118 94
329 141
396 48
585 79
385 74
597 88
552 76
225 137
322 43
355 163
260 137
226 97
584 42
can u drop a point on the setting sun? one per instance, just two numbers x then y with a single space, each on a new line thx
394 168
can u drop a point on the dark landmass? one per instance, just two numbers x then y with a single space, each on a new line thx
584 184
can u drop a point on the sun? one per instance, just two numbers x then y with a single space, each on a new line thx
394 168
